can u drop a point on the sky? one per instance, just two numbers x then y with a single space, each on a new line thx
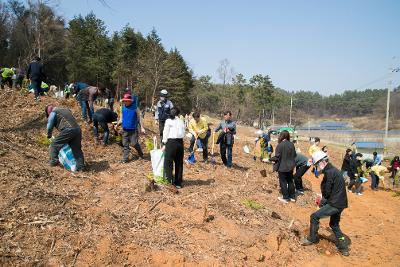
324 46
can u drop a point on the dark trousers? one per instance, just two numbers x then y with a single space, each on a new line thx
287 184
161 125
298 181
204 145
36 85
4 81
130 137
224 150
72 137
86 109
174 155
374 180
356 183
111 104
99 119
334 214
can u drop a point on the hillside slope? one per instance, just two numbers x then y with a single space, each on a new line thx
110 215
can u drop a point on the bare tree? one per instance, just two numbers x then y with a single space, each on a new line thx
225 71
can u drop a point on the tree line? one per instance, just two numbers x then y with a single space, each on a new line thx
258 100
83 50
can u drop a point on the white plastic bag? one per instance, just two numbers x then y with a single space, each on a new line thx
67 159
157 161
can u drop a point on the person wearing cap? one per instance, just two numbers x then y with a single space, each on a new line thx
284 164
130 121
36 75
86 98
163 110
332 203
198 127
6 77
315 147
103 116
70 133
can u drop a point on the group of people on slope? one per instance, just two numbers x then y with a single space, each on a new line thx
172 132
14 77
128 124
333 189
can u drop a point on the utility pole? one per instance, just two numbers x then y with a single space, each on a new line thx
291 107
393 70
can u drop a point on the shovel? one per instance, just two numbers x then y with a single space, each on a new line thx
191 159
212 149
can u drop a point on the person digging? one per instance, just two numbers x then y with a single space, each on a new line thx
332 203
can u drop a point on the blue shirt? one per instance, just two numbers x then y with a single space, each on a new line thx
231 125
377 160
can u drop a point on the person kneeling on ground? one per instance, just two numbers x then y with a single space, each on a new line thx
70 133
226 138
173 133
198 128
302 165
103 116
130 121
332 203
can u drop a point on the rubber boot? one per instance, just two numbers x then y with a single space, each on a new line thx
139 151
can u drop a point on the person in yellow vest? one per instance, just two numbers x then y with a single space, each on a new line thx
198 127
376 173
6 76
315 147
44 88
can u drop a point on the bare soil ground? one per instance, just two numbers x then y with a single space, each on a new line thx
110 215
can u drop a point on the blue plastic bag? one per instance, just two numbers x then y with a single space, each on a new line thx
67 159
191 159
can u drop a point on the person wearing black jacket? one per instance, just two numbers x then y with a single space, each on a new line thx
284 164
103 116
355 174
332 203
36 75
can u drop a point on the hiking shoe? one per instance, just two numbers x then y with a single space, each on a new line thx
281 199
306 242
300 192
293 200
349 191
359 194
124 161
178 186
344 252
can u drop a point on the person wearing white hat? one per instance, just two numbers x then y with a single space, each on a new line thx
163 110
332 203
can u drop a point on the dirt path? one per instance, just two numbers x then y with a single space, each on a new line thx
109 215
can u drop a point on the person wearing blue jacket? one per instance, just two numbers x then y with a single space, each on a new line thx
130 121
226 138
